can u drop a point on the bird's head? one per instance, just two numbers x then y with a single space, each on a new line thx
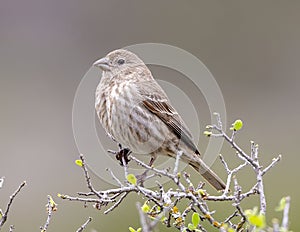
118 60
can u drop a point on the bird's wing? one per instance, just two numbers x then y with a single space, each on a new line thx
157 102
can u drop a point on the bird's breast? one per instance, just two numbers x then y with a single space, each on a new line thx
122 114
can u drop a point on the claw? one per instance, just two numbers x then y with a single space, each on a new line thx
123 152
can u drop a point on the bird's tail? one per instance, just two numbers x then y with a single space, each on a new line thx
208 174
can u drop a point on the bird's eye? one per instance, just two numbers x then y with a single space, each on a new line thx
121 61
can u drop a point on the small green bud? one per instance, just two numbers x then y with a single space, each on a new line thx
79 163
281 205
207 133
237 125
255 218
145 207
131 179
131 229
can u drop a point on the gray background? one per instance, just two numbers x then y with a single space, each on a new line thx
251 47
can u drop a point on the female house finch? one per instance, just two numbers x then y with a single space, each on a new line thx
136 112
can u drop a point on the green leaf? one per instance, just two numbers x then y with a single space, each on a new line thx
145 207
195 219
255 218
281 205
79 163
237 125
131 179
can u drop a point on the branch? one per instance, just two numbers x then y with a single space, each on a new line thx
83 226
143 219
285 219
164 201
51 206
251 159
11 199
11 228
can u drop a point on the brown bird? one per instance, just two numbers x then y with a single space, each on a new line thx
136 112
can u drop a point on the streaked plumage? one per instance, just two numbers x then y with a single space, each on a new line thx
137 113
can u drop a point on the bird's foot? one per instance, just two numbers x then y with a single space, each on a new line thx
122 155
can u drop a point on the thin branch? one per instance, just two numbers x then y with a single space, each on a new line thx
179 154
50 206
143 219
83 226
260 188
11 228
238 149
285 219
87 176
271 165
114 177
230 173
116 204
235 213
125 167
11 199
276 227
2 181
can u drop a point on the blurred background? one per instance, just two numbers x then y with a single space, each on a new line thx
252 48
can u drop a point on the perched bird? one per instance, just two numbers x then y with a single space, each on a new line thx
136 112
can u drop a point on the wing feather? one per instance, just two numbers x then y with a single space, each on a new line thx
157 102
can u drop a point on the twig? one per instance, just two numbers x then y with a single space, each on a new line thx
2 181
87 177
50 206
276 227
285 219
235 213
83 226
179 154
11 228
144 223
125 167
260 188
11 199
114 177
238 199
252 160
116 204
230 173
271 165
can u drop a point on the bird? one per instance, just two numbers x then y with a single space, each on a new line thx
136 112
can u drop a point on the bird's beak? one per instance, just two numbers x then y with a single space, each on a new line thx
102 63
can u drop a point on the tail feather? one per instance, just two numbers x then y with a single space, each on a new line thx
208 174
